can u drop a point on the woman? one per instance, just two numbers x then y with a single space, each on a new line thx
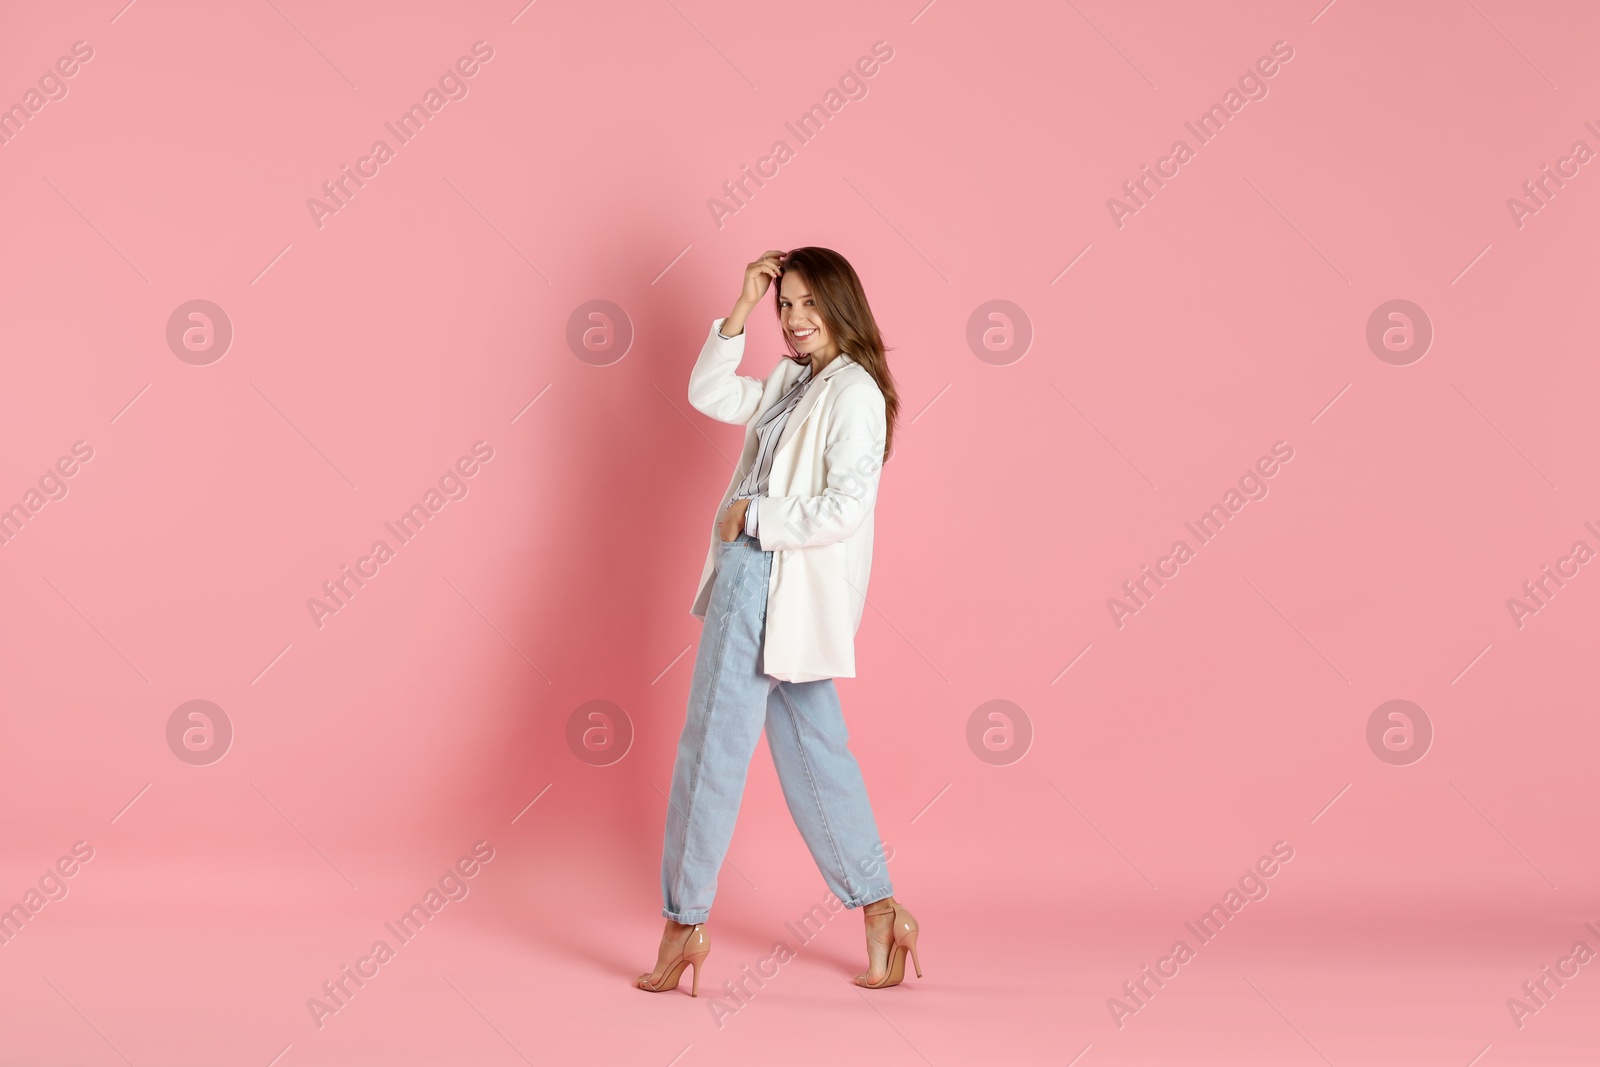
781 596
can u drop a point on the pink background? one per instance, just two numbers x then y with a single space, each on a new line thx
368 354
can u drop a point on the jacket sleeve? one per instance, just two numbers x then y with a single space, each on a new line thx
715 387
853 457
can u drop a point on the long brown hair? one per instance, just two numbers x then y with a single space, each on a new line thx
842 306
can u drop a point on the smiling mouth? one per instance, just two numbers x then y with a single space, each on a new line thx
804 335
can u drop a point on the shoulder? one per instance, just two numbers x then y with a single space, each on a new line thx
856 396
853 377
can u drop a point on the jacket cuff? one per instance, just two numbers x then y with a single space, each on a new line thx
750 517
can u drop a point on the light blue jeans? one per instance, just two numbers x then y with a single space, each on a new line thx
730 699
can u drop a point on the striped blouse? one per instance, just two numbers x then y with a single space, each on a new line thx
768 430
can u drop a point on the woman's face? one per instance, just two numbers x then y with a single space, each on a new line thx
802 320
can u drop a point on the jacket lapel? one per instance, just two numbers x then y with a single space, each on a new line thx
808 402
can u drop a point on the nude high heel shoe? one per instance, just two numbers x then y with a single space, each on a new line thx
696 947
905 929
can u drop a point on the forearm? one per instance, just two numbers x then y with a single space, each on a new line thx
807 521
733 325
791 522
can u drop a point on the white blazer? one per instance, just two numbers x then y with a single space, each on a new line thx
816 518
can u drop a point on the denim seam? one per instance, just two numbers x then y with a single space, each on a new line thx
811 780
705 732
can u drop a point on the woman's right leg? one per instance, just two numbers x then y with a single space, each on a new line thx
825 791
726 712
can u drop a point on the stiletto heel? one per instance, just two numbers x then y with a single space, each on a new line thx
696 947
696 961
905 929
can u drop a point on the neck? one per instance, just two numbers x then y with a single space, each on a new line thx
819 362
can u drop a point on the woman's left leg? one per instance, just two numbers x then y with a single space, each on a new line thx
823 786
